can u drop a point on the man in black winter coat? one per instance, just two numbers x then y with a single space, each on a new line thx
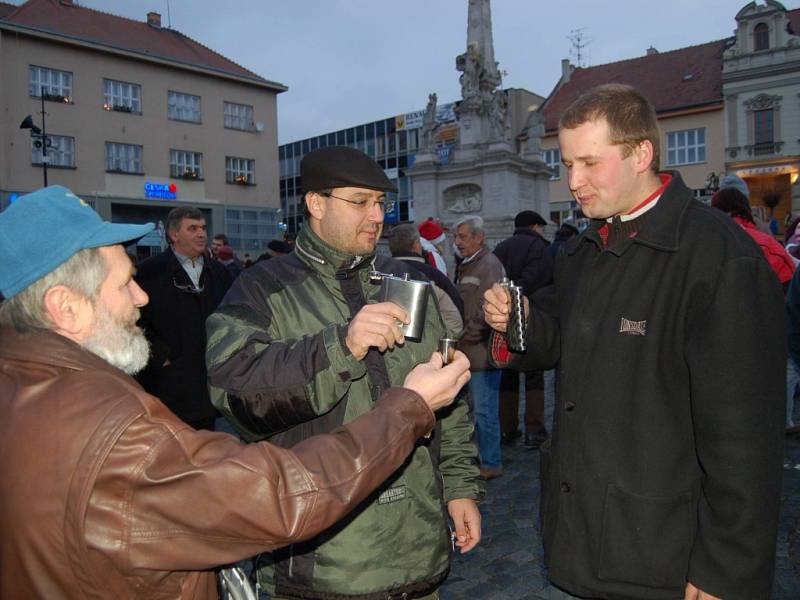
528 264
185 285
663 476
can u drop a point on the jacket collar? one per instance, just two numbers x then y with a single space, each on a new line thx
660 231
325 259
48 348
477 256
409 256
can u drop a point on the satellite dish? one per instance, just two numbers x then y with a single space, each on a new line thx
259 126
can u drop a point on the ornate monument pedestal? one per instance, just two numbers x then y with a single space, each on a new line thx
484 174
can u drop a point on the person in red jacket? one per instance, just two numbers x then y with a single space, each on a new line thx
734 203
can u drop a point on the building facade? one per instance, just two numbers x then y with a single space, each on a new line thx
761 84
138 118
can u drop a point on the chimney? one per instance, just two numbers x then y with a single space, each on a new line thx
651 51
154 19
566 70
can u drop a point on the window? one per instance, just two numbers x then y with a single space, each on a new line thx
185 165
239 170
764 131
552 159
60 151
121 96
51 83
183 107
761 37
239 116
123 158
686 147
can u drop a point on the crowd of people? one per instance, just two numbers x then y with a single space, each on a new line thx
655 385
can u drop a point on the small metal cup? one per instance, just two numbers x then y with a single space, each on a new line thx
447 348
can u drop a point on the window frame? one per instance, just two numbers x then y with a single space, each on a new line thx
52 151
135 159
186 169
184 109
234 171
50 95
231 120
680 145
760 37
134 105
552 158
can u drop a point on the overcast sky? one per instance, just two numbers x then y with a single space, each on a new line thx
353 61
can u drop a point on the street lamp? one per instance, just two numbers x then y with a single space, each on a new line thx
40 139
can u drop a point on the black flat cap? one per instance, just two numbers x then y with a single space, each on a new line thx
526 218
340 166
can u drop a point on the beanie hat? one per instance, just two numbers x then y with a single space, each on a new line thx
432 231
527 218
341 166
734 181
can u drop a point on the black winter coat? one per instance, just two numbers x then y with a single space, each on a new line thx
666 460
526 259
175 324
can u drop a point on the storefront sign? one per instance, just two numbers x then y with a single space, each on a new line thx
164 191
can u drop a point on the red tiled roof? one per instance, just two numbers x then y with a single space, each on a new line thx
97 27
794 20
6 9
672 81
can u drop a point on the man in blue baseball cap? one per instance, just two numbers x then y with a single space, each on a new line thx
106 492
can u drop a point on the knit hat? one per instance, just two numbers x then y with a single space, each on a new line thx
526 218
732 180
341 166
432 231
44 229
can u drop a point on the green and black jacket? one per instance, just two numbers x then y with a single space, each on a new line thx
279 369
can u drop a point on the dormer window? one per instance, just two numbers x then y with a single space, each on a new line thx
761 37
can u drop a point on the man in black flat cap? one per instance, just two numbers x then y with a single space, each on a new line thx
302 344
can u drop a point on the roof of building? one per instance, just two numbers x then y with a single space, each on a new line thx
6 8
794 20
80 24
672 81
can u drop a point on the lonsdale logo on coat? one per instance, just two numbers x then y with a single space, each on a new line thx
632 327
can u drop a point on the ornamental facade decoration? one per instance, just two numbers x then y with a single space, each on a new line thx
463 198
762 102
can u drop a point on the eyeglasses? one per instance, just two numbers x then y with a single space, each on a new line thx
187 287
385 205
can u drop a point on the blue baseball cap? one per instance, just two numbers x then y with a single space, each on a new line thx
45 228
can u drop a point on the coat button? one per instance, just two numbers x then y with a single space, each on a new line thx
569 406
565 487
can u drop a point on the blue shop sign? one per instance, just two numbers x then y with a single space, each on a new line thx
164 191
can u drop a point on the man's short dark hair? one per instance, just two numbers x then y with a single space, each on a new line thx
528 218
630 116
402 238
223 238
176 215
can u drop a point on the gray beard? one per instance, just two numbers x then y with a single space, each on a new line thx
121 344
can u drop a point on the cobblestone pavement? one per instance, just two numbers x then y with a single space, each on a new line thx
508 564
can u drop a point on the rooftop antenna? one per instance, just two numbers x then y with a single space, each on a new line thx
169 17
579 41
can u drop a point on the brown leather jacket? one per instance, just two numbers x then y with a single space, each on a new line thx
108 495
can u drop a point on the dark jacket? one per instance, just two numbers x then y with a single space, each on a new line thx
526 259
174 322
475 276
435 275
666 458
280 367
106 494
